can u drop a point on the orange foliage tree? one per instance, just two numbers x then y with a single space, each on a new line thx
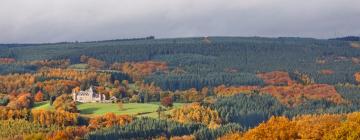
8 113
222 90
16 83
60 118
336 126
109 120
349 129
24 100
276 78
191 95
65 103
196 113
92 62
167 101
69 133
138 70
297 93
231 136
64 63
357 77
39 97
280 128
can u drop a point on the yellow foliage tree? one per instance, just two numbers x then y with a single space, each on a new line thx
65 103
280 128
196 113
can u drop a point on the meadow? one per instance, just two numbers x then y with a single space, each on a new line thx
94 109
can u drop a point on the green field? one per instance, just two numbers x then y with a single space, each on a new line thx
137 109
79 66
42 105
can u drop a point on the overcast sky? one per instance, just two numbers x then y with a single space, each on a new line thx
84 20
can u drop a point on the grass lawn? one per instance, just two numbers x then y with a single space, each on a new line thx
43 105
145 109
79 66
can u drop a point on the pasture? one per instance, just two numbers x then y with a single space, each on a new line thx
93 109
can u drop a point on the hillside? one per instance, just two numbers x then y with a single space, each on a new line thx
179 88
235 57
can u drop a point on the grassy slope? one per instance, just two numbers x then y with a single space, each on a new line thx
146 109
79 66
42 105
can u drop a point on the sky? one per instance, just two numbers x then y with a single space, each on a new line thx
35 21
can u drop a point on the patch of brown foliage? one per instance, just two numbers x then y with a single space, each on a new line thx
52 63
276 78
327 72
357 77
69 133
292 95
233 90
138 70
297 93
92 62
7 60
22 100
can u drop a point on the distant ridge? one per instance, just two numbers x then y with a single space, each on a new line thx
347 38
127 39
68 42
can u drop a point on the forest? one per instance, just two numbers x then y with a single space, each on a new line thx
195 88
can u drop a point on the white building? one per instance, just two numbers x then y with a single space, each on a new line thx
88 96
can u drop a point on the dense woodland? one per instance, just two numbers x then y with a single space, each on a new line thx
232 88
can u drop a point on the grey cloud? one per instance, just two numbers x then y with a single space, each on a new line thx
70 20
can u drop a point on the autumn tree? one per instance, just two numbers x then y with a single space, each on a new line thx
58 117
95 63
276 128
191 95
222 90
348 129
167 101
109 120
302 78
336 126
7 113
196 113
24 100
39 97
357 77
69 133
276 78
231 136
138 70
65 103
